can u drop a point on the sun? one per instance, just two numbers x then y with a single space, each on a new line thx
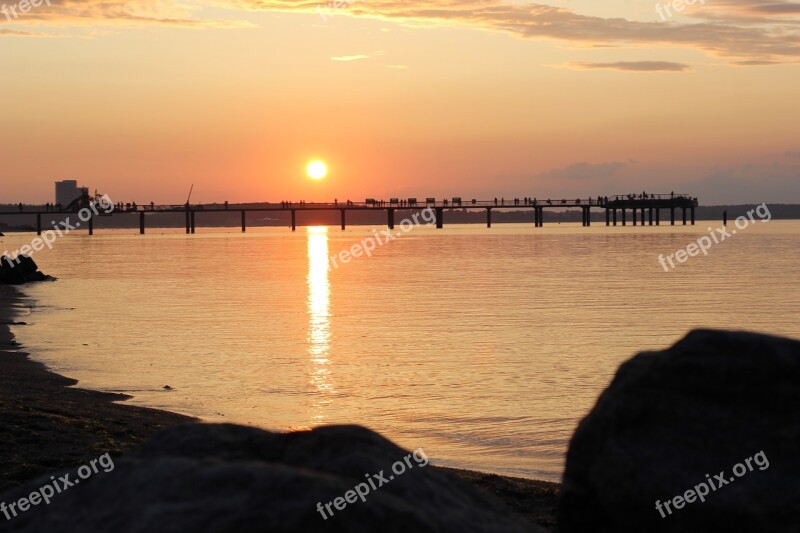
316 170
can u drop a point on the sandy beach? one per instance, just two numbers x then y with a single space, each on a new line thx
47 424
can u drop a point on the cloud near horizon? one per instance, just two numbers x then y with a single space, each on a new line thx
771 180
742 31
631 66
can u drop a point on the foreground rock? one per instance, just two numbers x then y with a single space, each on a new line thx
22 269
232 478
711 404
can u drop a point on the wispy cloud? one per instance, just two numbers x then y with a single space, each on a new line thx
349 58
141 12
18 33
738 30
770 40
632 66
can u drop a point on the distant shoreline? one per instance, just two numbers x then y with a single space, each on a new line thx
50 425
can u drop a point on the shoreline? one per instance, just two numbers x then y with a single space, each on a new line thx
47 424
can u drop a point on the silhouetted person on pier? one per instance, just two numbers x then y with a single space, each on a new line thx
226 204
495 200
20 207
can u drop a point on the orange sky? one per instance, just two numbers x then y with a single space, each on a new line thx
142 99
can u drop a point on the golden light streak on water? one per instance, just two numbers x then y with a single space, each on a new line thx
319 324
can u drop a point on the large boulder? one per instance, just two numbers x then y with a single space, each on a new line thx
21 269
718 413
199 478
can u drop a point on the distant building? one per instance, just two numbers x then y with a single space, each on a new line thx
67 191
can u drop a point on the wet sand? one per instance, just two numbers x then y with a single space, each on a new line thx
46 424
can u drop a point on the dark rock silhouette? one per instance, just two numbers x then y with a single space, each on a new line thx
669 418
198 478
22 269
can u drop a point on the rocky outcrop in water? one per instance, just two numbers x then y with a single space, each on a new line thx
227 478
19 270
718 413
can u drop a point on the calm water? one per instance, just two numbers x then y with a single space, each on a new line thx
485 347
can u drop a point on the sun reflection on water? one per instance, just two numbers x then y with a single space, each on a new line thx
319 324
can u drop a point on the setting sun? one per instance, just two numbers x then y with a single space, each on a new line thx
316 170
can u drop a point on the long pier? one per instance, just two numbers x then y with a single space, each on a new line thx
649 206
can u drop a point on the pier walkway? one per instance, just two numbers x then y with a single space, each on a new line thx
617 208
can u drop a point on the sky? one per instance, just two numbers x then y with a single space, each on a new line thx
141 100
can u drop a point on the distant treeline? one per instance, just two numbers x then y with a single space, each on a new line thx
27 222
